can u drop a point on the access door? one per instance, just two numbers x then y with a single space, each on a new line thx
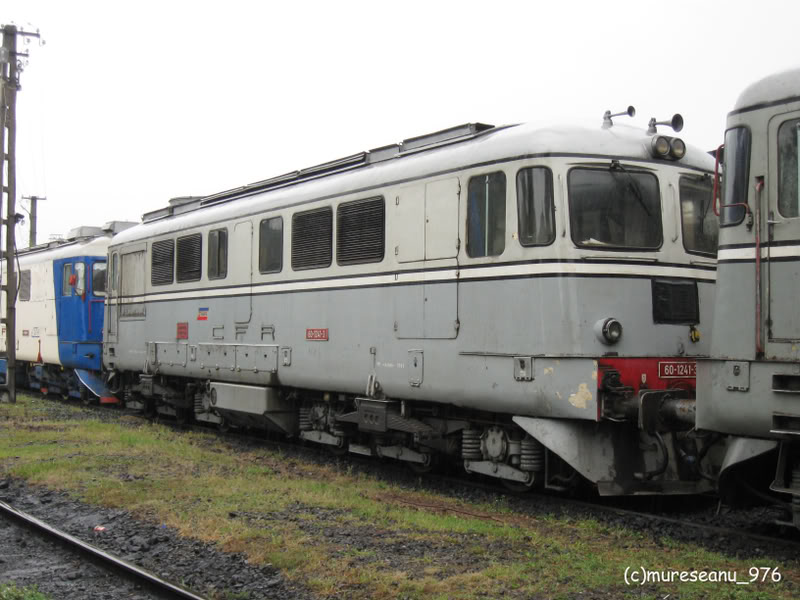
241 272
426 243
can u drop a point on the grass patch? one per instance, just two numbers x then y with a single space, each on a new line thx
342 533
10 591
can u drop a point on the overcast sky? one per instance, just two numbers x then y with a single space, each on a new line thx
131 103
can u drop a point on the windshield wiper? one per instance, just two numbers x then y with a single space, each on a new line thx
616 166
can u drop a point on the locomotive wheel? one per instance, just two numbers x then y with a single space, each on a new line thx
224 426
517 486
338 450
182 416
150 409
85 397
421 469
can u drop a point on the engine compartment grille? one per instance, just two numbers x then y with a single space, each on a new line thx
675 302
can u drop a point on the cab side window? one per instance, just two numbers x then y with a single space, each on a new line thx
66 288
486 215
80 278
535 206
99 278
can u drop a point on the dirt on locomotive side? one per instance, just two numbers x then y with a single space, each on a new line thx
334 531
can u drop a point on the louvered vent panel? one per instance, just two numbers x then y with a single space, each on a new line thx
24 286
312 239
675 302
190 256
360 231
161 266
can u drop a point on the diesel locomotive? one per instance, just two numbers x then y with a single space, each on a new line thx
527 302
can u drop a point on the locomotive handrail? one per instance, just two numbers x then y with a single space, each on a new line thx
717 154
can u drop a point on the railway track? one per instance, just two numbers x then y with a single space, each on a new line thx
157 587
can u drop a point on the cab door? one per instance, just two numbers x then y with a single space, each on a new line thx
783 234
71 310
96 296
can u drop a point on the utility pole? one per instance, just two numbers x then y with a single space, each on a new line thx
8 98
9 84
32 216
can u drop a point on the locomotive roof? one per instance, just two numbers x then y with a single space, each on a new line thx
776 88
88 246
465 146
80 241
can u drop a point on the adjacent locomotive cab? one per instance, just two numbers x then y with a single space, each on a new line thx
526 302
751 385
61 292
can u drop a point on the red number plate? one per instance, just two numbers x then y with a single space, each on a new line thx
317 335
673 369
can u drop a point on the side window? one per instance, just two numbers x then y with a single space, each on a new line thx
270 245
699 223
99 278
535 206
162 262
312 239
735 169
788 168
360 231
190 257
114 271
132 278
486 215
80 278
24 286
66 288
218 254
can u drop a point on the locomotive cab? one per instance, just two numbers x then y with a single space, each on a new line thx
751 384
60 312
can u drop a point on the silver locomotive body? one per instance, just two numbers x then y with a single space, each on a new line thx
528 302
751 385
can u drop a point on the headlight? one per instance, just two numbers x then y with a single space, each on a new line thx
608 331
660 145
678 148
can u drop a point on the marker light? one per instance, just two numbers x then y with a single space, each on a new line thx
677 148
608 331
660 145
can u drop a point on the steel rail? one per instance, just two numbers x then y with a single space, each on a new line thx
108 561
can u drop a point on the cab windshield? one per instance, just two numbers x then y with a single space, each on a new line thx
614 208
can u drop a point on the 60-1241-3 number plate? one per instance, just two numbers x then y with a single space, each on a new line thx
673 369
